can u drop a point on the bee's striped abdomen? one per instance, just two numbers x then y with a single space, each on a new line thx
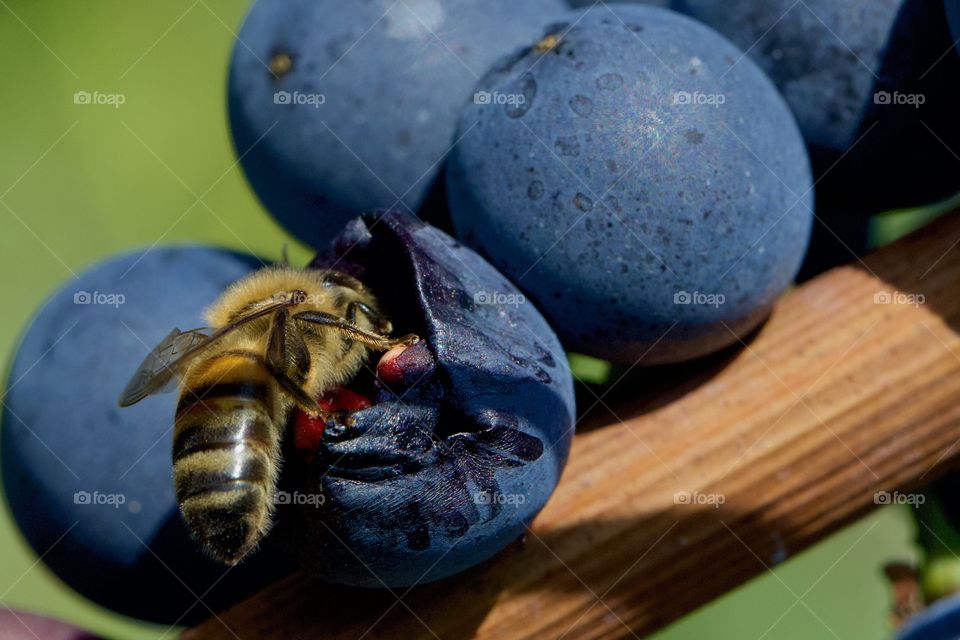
226 452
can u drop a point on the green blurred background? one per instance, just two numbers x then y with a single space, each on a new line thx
80 182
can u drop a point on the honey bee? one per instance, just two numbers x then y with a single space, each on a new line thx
277 340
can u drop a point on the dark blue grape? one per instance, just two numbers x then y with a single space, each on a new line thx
452 465
646 187
873 86
391 77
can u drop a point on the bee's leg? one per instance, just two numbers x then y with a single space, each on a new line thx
372 340
379 321
288 360
300 396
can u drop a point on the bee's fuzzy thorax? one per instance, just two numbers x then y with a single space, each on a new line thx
261 285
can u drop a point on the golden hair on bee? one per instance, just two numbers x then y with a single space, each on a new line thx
279 339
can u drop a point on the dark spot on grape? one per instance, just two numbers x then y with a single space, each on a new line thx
609 81
613 204
465 300
546 357
567 146
582 105
535 190
419 538
525 90
583 202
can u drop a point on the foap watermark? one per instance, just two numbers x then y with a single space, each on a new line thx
300 297
699 99
899 298
495 98
697 498
315 100
496 297
298 498
99 298
896 98
96 498
495 497
699 298
97 98
895 497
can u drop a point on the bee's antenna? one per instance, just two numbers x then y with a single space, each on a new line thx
285 255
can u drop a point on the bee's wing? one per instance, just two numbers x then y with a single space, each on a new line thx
157 372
